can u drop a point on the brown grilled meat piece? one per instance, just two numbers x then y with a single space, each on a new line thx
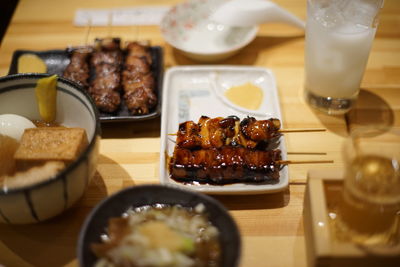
188 135
78 68
107 44
140 50
106 57
216 132
133 80
106 62
136 64
138 80
107 101
259 130
140 100
109 82
107 69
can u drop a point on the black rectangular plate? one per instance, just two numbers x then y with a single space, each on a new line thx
57 60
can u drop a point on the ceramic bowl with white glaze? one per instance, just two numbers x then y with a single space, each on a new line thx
46 199
187 28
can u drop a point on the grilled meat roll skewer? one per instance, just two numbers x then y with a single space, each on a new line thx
105 87
224 165
78 68
218 132
138 80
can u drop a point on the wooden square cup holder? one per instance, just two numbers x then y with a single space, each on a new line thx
324 248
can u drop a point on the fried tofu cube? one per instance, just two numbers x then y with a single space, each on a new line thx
39 145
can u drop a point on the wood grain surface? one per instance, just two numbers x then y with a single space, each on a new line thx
271 225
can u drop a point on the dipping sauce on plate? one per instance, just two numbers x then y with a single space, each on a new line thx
28 63
247 95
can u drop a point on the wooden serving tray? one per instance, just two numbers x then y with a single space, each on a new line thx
323 191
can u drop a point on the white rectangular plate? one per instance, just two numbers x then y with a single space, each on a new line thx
192 91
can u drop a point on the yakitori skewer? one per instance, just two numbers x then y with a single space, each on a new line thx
229 164
78 68
224 165
217 132
106 85
137 78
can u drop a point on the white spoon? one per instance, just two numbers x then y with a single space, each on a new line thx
244 13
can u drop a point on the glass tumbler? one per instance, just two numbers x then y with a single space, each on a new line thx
339 35
369 213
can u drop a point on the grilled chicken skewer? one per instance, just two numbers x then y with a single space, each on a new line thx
218 132
224 165
138 81
105 86
78 68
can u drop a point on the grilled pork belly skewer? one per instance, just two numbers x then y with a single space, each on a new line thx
138 81
225 165
105 87
229 165
78 68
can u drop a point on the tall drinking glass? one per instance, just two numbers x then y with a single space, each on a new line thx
339 35
369 214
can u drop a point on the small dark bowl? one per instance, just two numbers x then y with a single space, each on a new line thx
115 205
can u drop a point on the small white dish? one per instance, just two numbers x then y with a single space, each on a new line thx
187 27
190 92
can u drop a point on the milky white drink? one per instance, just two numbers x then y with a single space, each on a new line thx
339 36
335 60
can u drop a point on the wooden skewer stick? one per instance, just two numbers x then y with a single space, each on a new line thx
287 131
88 28
285 162
136 33
306 153
301 130
110 24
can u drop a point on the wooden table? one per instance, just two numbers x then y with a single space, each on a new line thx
271 225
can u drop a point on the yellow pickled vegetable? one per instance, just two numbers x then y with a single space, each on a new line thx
46 96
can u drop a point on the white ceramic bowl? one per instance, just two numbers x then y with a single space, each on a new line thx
187 28
41 201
